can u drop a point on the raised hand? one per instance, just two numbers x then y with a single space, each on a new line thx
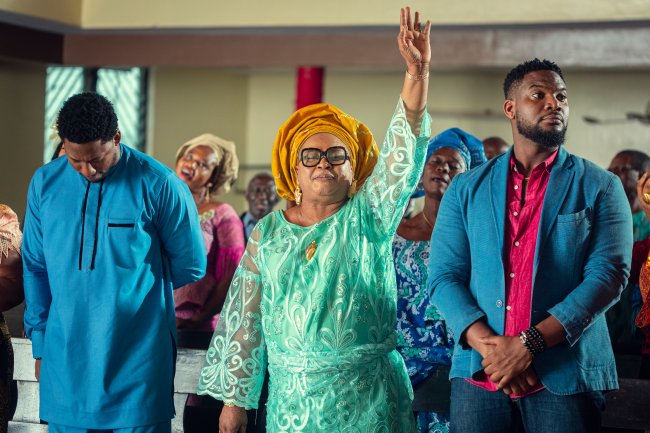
413 41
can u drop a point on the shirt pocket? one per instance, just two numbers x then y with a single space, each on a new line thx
122 238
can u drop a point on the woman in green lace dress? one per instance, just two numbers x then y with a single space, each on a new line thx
314 296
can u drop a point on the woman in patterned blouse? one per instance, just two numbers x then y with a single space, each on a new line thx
11 294
641 270
209 165
422 337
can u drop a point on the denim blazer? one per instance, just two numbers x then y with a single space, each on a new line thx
581 265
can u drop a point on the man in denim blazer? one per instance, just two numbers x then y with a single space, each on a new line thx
547 376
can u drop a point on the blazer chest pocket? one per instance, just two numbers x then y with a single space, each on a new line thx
122 239
572 232
576 218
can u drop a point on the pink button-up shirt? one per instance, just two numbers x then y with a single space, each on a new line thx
524 211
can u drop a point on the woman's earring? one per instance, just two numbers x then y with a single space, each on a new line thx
353 188
298 195
207 191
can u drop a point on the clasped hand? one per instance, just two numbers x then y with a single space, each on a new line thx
508 364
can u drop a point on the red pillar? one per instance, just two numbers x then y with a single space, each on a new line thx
309 85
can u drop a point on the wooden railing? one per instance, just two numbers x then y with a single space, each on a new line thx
628 407
26 420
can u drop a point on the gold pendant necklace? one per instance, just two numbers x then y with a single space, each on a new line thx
311 250
427 220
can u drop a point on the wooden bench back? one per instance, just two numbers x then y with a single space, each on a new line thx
188 368
629 407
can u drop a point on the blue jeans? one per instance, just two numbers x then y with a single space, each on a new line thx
476 410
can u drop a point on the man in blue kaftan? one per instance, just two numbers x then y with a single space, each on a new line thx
109 233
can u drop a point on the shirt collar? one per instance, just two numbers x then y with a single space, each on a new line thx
546 165
248 219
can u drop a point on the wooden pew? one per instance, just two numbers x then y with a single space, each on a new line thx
188 368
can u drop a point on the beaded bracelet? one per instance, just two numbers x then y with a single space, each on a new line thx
533 341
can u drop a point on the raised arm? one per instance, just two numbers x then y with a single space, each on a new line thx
401 159
415 48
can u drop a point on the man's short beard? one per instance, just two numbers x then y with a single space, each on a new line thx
547 139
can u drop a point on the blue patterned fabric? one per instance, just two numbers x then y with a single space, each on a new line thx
469 147
431 422
422 336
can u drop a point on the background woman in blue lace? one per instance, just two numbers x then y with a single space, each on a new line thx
422 337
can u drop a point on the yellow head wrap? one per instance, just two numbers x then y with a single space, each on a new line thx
311 120
227 166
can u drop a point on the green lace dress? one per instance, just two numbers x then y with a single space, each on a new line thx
324 326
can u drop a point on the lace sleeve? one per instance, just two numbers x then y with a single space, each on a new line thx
398 170
236 359
10 235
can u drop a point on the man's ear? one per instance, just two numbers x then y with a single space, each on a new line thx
117 137
509 108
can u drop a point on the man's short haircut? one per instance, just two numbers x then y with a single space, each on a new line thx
640 160
516 74
87 117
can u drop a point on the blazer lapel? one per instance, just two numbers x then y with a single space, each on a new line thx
558 186
498 185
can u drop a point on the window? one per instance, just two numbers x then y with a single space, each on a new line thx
126 88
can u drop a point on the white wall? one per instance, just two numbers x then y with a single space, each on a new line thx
249 106
261 13
188 102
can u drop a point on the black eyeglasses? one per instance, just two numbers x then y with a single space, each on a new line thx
336 155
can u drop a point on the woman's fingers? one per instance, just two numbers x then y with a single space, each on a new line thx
409 26
427 29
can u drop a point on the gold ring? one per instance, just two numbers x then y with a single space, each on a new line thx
646 198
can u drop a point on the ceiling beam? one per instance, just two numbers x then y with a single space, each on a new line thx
29 45
605 47
615 45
